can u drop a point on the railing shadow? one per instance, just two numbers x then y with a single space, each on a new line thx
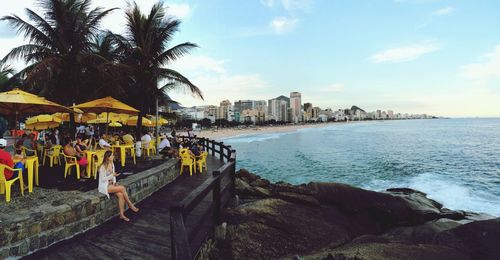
222 186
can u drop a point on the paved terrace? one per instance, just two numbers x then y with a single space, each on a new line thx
147 235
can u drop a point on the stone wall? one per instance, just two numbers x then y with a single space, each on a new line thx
47 224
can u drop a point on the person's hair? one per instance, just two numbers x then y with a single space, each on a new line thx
67 140
105 160
24 135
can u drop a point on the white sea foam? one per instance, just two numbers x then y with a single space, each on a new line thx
249 138
445 190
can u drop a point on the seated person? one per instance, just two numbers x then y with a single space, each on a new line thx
19 143
128 139
145 140
103 143
80 147
166 149
195 149
69 150
6 159
29 143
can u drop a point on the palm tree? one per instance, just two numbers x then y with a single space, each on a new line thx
59 48
6 73
145 50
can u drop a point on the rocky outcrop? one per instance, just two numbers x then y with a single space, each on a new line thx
338 221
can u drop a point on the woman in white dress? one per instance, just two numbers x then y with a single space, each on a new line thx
107 184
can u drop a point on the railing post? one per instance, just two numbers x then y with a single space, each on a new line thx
216 197
180 244
233 172
228 148
221 151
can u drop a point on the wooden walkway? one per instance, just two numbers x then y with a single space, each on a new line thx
147 235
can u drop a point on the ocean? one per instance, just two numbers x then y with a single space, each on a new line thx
455 161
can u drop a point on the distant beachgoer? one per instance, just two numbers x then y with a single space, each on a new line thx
173 133
108 184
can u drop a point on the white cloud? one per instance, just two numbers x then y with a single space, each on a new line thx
180 11
443 11
282 24
204 63
216 83
268 3
483 72
403 54
336 87
292 5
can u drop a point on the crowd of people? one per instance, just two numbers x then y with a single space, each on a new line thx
87 137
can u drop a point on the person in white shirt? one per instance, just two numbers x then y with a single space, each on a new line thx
165 148
103 144
145 140
108 184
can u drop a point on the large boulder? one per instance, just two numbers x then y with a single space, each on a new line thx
274 228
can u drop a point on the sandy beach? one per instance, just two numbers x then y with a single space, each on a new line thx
231 132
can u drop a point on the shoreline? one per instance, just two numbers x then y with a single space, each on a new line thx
235 132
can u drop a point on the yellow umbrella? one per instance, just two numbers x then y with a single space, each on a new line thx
132 121
107 104
115 117
80 116
17 102
161 121
42 125
115 124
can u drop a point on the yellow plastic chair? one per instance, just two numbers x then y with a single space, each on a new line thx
5 185
201 161
187 161
150 150
98 160
25 150
71 161
54 157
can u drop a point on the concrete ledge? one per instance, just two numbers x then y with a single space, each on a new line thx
37 228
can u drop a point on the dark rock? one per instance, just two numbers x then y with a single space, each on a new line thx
479 239
392 251
244 189
419 234
261 183
298 198
246 175
273 228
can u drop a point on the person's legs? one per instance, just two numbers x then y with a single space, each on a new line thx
121 201
125 196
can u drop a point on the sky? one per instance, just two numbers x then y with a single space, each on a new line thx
411 56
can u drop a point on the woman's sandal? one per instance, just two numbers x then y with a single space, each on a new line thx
135 209
125 218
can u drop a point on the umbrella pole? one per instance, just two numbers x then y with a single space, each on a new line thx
157 128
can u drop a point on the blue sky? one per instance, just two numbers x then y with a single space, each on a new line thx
416 56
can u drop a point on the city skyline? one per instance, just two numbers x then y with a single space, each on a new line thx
432 56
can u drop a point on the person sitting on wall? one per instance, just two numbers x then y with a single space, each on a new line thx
108 184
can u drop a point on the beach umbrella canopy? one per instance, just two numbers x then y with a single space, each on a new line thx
18 102
107 104
115 124
80 116
42 125
132 121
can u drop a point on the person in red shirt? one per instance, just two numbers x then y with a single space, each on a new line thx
6 159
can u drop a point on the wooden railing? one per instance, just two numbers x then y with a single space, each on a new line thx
220 184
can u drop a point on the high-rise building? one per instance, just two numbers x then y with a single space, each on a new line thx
225 109
296 106
260 105
241 105
308 111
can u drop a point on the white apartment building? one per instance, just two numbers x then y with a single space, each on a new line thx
296 106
